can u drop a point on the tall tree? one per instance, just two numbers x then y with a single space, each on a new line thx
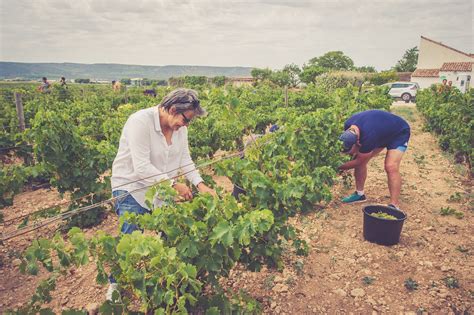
293 72
408 61
333 60
261 74
280 78
366 69
310 72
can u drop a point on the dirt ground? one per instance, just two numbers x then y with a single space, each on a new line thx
343 273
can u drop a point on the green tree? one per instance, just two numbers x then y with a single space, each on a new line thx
310 72
82 80
218 80
333 60
176 81
293 72
383 77
126 81
194 80
366 69
261 74
408 61
280 78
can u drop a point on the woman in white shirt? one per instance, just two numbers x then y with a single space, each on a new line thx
153 148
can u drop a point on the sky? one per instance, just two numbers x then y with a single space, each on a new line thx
255 33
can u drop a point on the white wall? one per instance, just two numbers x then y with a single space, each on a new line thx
425 82
432 55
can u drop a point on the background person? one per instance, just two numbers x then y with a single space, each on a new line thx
45 85
117 86
62 82
366 135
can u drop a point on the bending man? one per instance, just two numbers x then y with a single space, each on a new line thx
366 135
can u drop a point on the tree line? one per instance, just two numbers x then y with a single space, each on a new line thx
292 75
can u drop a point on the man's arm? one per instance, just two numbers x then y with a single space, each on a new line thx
361 158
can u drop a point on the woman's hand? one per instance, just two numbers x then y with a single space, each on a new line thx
183 191
204 189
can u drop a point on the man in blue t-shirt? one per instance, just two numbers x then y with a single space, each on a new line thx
366 135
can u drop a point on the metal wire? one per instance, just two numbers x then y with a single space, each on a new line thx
68 214
102 191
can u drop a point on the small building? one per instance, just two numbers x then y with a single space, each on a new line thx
437 61
240 81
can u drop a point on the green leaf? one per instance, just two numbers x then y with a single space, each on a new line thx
213 311
190 271
222 233
159 311
188 248
141 249
169 298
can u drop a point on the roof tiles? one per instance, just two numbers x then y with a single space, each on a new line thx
426 73
456 66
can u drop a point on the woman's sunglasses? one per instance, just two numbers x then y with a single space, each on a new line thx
186 119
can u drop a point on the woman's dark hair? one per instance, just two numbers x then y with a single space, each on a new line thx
183 100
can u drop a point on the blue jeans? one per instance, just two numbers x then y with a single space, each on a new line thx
127 204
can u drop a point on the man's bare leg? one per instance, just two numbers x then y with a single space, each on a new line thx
392 167
360 172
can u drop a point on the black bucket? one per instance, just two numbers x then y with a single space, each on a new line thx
383 231
237 191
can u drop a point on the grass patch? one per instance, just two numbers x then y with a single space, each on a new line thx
269 282
408 113
451 282
411 284
462 249
445 211
368 280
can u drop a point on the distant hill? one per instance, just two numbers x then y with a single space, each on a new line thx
104 71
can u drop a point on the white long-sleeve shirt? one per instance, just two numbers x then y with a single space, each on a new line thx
144 157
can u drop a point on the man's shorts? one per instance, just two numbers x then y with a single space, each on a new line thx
400 142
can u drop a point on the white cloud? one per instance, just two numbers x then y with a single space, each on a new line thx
248 32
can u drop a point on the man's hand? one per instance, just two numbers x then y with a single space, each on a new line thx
204 189
183 191
360 159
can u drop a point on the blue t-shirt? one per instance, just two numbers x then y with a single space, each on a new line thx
377 128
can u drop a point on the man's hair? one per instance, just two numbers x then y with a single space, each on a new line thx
183 100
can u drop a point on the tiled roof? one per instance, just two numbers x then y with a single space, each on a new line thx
456 66
426 73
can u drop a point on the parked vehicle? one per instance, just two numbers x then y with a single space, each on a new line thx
404 90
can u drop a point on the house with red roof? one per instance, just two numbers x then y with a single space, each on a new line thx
437 61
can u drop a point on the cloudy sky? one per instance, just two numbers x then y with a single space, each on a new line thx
257 33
